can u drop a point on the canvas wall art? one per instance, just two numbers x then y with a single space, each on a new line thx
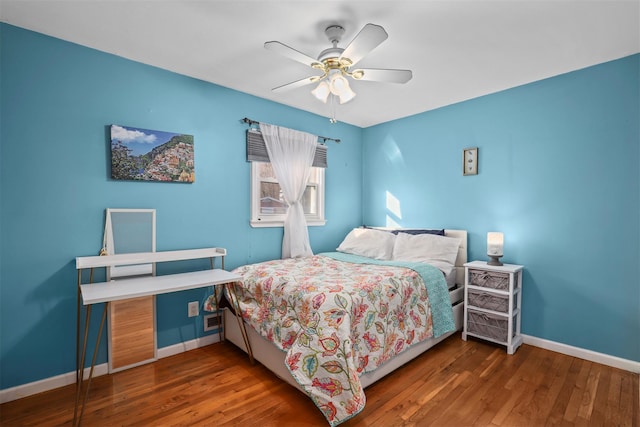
151 155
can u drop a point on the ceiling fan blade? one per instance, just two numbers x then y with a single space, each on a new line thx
383 75
290 53
296 84
364 42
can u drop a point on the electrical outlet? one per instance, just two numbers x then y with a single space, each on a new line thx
193 309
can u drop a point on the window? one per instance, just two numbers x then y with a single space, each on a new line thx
268 207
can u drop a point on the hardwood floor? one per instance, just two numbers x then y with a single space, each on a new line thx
457 383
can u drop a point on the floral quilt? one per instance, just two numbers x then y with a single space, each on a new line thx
337 316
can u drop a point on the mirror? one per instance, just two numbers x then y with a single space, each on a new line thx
130 231
132 333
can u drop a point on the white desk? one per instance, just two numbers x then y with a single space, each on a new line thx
153 285
107 292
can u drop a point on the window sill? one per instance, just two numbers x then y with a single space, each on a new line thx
264 224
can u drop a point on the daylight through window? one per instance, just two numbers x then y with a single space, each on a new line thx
268 207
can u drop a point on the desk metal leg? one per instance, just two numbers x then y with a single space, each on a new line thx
78 317
217 307
80 375
80 367
78 308
236 307
212 263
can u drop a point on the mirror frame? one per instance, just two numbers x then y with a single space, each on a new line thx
109 245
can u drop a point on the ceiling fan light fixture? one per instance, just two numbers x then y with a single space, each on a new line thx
322 91
347 96
339 84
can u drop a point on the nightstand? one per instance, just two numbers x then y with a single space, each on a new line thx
492 303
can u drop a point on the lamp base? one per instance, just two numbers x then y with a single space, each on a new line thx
495 260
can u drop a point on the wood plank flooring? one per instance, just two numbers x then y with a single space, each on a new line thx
457 383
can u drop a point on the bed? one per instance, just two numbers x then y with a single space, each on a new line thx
325 326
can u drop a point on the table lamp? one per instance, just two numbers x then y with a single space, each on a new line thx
495 246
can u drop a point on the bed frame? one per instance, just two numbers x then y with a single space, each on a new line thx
274 358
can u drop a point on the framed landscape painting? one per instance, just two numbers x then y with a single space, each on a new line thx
151 155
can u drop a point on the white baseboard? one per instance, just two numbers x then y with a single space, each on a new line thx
604 359
24 390
172 350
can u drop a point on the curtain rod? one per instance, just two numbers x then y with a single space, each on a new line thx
323 138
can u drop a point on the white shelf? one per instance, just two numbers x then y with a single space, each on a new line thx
504 268
497 313
491 290
147 257
153 285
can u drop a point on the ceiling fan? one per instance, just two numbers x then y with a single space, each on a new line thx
336 64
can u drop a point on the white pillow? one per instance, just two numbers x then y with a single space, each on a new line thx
369 243
439 251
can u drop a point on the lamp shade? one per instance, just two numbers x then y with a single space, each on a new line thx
495 243
347 95
338 84
322 91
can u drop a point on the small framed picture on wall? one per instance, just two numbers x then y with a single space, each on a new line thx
470 161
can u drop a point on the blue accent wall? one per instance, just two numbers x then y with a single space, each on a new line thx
57 102
558 174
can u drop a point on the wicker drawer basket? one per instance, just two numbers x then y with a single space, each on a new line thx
489 279
488 325
489 301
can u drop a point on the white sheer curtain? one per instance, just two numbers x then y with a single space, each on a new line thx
291 154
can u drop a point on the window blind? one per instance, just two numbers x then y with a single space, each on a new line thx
257 150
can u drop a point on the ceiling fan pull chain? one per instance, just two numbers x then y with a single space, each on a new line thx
332 108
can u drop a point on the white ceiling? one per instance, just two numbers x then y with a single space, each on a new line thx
457 50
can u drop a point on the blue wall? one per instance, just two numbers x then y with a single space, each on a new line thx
57 102
558 174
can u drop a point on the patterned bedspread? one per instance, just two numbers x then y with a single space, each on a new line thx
337 316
